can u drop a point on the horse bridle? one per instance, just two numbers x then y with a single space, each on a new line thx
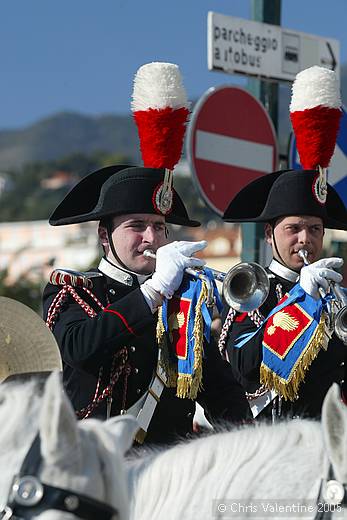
332 496
29 497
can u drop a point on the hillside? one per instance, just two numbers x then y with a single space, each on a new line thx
65 134
68 133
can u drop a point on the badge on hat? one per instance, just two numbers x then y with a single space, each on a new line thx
315 112
160 109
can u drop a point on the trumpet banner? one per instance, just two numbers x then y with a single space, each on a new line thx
294 332
183 332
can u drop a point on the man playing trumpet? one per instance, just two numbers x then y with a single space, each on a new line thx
106 323
296 207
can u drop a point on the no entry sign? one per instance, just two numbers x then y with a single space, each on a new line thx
231 141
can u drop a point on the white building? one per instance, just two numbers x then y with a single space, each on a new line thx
34 248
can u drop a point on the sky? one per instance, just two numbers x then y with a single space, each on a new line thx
81 55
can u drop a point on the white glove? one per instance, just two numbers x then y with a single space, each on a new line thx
318 274
171 262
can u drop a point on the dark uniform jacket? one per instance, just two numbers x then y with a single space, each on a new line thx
327 368
88 343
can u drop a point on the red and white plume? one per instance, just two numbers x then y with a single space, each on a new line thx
315 114
160 110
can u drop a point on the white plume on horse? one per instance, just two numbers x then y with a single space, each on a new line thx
85 457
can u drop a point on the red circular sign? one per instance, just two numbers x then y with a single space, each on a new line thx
231 142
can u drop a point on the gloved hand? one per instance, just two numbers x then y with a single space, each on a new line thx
172 259
318 274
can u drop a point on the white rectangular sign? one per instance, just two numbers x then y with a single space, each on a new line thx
239 46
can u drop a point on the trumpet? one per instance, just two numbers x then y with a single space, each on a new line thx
245 286
338 305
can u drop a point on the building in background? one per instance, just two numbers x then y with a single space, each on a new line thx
34 248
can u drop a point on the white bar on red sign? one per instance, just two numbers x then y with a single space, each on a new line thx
233 152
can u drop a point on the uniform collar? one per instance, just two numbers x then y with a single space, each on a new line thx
121 275
283 271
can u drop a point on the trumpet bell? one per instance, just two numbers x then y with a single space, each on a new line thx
341 325
246 286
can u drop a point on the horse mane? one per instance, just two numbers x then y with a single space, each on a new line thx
209 467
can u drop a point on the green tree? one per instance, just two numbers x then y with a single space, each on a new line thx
28 199
23 290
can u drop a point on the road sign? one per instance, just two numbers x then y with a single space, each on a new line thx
231 141
337 171
239 46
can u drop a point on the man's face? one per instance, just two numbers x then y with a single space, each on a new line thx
294 233
131 235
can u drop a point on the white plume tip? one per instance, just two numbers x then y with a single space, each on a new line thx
313 87
158 85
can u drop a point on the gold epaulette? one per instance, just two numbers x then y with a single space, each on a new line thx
73 278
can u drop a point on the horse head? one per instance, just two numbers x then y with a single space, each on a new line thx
68 467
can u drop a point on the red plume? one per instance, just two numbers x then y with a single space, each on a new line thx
315 114
160 110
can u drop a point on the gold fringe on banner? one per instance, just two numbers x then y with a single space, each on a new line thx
188 385
168 365
288 389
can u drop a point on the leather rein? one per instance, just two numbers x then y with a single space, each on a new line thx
28 496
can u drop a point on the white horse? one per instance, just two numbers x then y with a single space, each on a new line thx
82 458
247 473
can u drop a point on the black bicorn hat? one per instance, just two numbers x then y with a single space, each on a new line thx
118 190
285 193
315 113
160 109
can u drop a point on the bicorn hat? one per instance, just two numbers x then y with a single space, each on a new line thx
315 114
160 109
26 343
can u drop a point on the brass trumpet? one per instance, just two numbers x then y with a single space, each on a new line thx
245 286
338 305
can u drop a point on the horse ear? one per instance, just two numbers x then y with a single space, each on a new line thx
58 425
334 421
123 429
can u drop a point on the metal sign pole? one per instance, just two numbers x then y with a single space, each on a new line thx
267 11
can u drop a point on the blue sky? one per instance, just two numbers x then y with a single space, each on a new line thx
81 55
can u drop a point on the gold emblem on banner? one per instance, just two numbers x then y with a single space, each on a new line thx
284 321
176 321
